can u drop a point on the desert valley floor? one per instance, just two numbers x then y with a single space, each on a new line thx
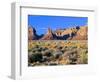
57 52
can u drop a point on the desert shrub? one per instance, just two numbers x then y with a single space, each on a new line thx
43 49
52 63
35 57
47 53
39 49
74 47
86 51
30 53
59 47
83 58
73 56
36 46
33 51
57 54
45 58
29 50
64 49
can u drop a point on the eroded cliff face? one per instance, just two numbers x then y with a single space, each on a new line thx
82 34
48 35
75 33
30 33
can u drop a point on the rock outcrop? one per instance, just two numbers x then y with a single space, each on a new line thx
48 35
82 34
75 33
32 33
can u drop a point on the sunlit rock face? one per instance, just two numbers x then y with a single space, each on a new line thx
75 33
48 35
82 34
32 33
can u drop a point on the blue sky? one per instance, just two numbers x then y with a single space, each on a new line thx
42 23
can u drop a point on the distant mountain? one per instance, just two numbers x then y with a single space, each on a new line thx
75 33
